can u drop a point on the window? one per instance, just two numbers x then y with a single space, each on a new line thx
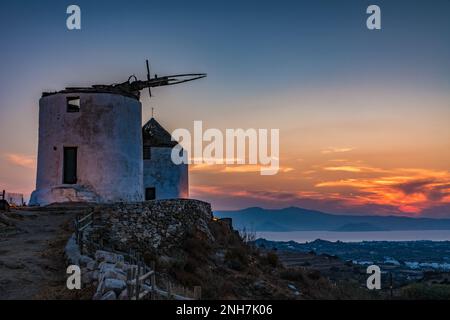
150 194
73 104
70 165
147 152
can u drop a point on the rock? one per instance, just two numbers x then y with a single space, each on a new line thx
114 284
72 251
97 296
87 277
220 255
124 295
292 287
260 284
110 295
85 260
91 265
115 274
108 257
122 266
104 266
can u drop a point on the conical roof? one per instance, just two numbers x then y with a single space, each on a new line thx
154 135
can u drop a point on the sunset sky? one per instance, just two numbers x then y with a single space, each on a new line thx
364 116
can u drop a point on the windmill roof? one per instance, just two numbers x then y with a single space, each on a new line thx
154 135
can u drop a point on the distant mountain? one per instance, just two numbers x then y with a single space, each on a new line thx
298 219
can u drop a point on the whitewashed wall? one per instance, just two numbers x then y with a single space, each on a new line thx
171 181
108 134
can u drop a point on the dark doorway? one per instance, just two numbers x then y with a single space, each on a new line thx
150 194
70 165
147 152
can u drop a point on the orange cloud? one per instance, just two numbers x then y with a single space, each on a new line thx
411 190
214 168
336 150
343 168
339 185
21 160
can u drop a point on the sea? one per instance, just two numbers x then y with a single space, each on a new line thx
308 236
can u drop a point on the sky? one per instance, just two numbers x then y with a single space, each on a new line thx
364 115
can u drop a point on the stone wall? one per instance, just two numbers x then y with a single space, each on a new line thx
152 226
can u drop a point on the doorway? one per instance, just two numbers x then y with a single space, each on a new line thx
150 194
70 165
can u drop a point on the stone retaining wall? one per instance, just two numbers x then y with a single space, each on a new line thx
150 226
155 226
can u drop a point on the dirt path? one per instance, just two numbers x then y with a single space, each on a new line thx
31 251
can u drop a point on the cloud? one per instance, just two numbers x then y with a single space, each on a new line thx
354 189
343 168
224 198
337 150
214 168
21 160
355 168
340 185
414 186
410 190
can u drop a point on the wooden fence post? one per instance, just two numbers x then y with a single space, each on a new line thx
153 280
77 234
197 293
133 285
129 285
169 289
138 287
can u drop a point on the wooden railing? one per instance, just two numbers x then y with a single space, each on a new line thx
141 279
141 282
81 224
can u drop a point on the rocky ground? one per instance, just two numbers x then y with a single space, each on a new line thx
31 251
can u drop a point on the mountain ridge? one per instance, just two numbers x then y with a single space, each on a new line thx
300 219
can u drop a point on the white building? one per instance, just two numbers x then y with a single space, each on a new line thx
91 150
162 178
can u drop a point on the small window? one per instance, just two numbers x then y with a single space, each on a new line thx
147 152
150 194
73 104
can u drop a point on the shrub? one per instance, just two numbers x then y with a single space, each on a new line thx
335 269
272 259
196 247
420 291
292 274
237 258
314 274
